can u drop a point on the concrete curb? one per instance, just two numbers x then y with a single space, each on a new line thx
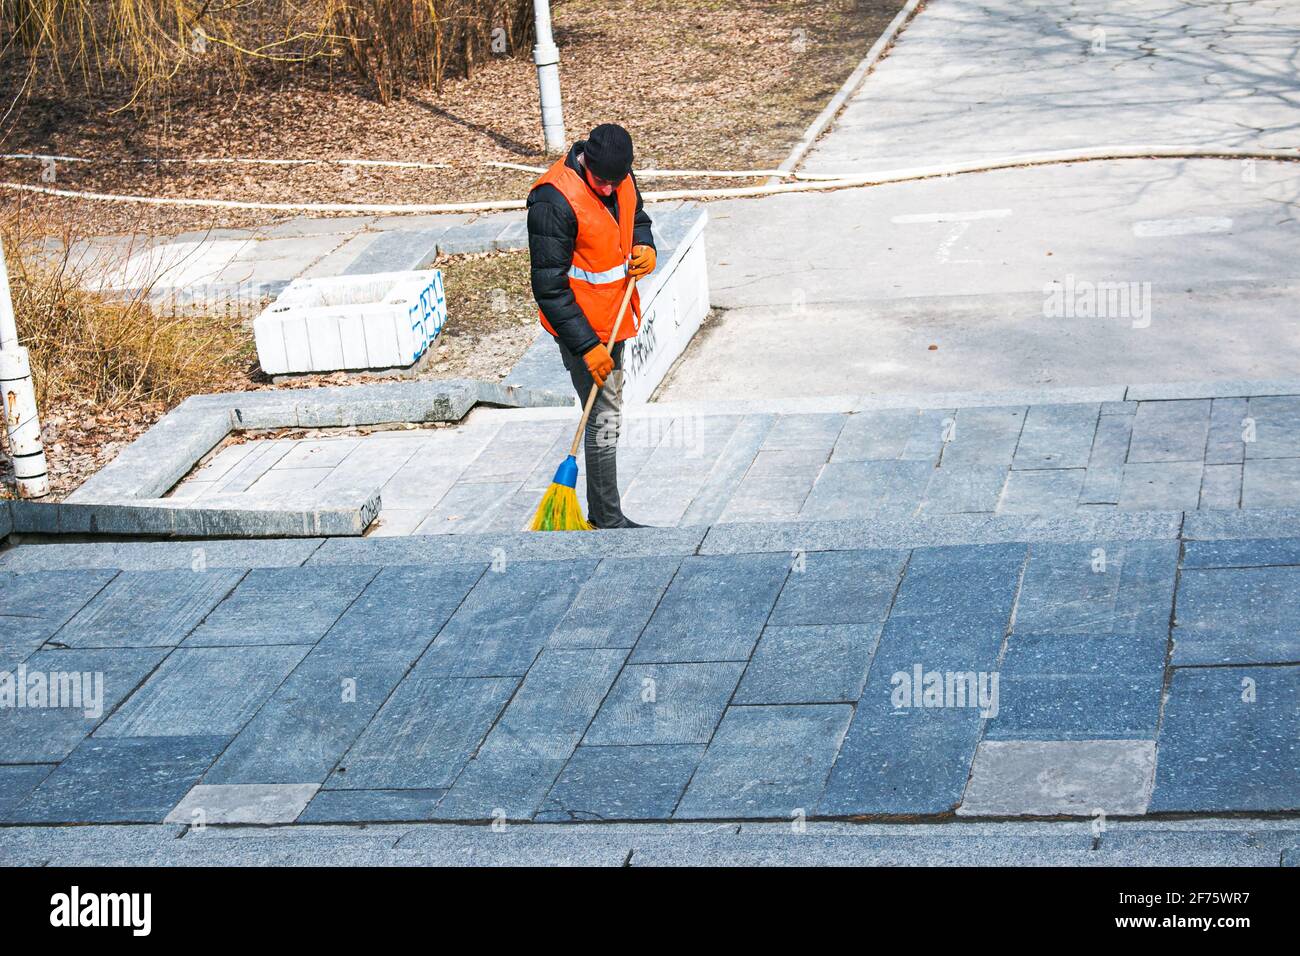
166 517
849 87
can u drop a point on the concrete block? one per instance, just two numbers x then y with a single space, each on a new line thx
857 488
612 608
1056 777
1270 483
875 435
17 782
959 489
397 250
262 804
1161 486
983 436
1221 487
1275 421
840 587
1226 444
35 604
158 555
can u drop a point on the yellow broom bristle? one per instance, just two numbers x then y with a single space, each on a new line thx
560 511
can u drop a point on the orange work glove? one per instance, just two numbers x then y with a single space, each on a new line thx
643 261
599 363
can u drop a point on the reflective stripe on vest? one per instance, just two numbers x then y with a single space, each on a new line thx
598 278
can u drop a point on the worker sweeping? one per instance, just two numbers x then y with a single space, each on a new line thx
589 239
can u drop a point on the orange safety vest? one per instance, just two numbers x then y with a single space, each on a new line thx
598 274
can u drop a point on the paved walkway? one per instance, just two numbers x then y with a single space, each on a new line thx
640 676
845 292
682 467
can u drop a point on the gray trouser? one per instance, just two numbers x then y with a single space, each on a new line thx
600 441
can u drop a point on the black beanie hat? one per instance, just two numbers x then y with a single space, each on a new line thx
608 152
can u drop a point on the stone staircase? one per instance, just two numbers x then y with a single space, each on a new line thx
976 666
831 459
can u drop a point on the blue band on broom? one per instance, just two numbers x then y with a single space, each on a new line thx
559 510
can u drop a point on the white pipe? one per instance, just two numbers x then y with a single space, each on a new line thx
547 57
22 423
806 182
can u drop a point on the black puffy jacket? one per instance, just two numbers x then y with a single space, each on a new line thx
552 232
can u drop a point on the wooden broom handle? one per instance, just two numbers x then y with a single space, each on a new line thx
613 335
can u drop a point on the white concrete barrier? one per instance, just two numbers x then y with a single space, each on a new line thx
674 301
380 321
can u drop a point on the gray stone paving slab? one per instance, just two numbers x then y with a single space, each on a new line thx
813 664
78 689
1276 420
931 429
1270 483
1161 486
768 497
1098 587
310 721
35 604
1080 687
613 606
1226 444
839 587
1054 777
856 488
1228 741
766 762
739 450
1057 436
130 780
260 803
664 704
642 782
1050 492
398 250
424 734
148 556
1170 431
505 620
538 731
1213 525
16 782
399 613
853 534
961 489
984 436
524 546
1241 553
901 755
149 608
1238 616
806 432
1221 487
282 606
364 806
203 691
875 435
739 592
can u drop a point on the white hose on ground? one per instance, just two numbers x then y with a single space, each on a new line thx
840 181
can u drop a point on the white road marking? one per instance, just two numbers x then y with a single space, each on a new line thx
1197 225
951 216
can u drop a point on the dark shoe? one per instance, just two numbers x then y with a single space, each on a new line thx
626 522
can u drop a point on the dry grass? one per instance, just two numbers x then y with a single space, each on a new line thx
699 83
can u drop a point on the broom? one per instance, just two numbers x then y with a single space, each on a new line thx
559 510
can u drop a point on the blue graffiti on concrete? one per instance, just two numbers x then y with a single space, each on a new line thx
428 315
